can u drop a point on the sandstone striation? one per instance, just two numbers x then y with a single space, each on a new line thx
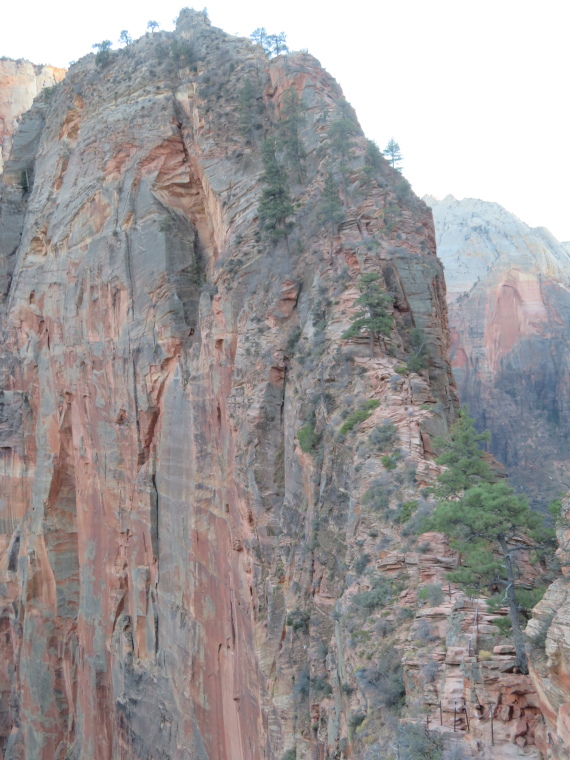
509 307
182 574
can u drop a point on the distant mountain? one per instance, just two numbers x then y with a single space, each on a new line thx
509 312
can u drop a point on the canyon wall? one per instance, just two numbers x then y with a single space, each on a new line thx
209 498
509 312
20 82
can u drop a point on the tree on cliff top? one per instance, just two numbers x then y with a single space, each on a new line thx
272 44
374 317
103 55
275 206
393 154
486 521
152 25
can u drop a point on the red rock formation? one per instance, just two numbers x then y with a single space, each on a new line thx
510 316
179 577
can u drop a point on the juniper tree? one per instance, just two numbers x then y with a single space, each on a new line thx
275 206
488 523
290 123
103 55
393 154
374 317
330 208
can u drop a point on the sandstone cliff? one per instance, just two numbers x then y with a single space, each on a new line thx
184 573
509 311
20 82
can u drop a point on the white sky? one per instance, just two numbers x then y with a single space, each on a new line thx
475 91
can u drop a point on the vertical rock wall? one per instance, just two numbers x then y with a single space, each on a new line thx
180 578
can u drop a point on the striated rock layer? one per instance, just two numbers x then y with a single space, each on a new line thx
180 578
509 311
20 82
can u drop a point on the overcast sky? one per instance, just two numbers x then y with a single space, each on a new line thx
474 91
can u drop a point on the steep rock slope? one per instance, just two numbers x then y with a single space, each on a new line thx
20 82
195 562
509 311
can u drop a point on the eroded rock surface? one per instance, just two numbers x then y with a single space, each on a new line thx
509 311
180 578
20 82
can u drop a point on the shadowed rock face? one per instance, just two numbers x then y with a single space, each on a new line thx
179 578
509 306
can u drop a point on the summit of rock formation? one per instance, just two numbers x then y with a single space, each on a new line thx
209 497
509 310
20 82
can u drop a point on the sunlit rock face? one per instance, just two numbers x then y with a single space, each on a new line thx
179 576
509 310
20 82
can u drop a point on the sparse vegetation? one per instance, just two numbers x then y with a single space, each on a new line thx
360 415
384 436
275 207
307 437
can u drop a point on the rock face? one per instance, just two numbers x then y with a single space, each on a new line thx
509 311
20 82
549 635
195 562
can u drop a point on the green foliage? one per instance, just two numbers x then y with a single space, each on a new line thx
431 593
380 594
272 44
383 681
341 132
360 563
393 154
483 518
389 461
152 25
307 437
125 38
418 359
250 109
555 509
103 55
291 754
290 140
384 436
374 316
378 497
298 620
330 207
321 686
361 414
504 624
372 160
183 53
464 459
405 511
275 206
529 598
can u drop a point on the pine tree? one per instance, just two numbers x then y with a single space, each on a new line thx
250 107
341 131
103 55
374 318
275 206
330 208
152 25
393 154
487 522
292 119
